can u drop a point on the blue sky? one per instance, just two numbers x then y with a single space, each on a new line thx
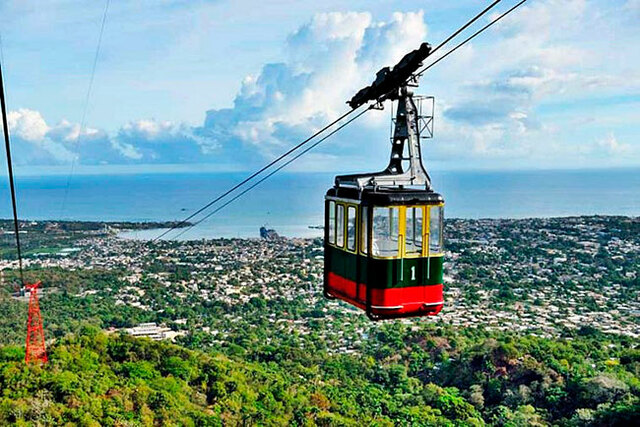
227 85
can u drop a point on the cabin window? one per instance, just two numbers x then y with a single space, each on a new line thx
340 225
385 232
351 228
364 246
332 223
435 229
413 231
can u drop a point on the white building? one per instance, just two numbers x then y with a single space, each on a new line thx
149 330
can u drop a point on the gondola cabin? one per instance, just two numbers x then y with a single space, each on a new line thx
383 236
383 251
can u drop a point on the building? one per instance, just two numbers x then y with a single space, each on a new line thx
149 330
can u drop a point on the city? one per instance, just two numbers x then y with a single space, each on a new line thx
537 276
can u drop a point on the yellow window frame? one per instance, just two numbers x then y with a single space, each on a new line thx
346 227
363 244
426 227
330 223
403 231
427 247
400 235
402 224
344 216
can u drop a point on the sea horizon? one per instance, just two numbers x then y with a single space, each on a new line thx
291 202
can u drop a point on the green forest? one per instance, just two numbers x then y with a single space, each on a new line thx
405 376
275 352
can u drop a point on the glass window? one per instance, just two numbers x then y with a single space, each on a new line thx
340 225
332 223
435 229
385 232
351 228
413 232
365 229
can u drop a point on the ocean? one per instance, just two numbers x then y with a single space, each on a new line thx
291 202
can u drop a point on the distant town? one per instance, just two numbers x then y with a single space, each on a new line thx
538 276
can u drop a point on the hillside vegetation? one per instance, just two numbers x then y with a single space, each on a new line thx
430 376
539 328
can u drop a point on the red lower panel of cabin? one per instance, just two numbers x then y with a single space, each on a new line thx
391 302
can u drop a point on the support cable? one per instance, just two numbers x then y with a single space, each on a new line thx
83 123
7 146
246 180
287 163
253 175
472 36
465 26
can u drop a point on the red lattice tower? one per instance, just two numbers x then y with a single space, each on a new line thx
35 334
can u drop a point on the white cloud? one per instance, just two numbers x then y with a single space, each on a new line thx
127 150
31 141
490 95
28 125
548 51
36 142
329 59
148 129
491 90
157 141
385 43
143 141
610 145
70 133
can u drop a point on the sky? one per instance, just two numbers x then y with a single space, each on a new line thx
195 85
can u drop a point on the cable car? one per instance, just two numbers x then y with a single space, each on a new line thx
383 251
383 241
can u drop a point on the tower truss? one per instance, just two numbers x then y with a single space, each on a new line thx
36 351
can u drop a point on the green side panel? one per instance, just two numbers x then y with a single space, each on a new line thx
385 273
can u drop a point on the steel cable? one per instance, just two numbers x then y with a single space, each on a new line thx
290 151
